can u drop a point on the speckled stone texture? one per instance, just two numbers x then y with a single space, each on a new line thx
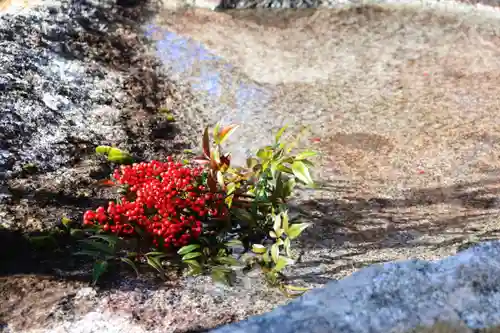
395 297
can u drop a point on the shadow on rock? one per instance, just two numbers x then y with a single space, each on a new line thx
41 253
51 256
433 218
112 36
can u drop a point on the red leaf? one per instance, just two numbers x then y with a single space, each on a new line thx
212 183
206 143
201 161
225 160
106 182
226 132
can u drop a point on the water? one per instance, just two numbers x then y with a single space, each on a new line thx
232 98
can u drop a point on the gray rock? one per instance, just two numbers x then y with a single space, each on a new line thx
49 102
270 4
395 297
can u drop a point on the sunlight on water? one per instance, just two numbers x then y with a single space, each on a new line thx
210 76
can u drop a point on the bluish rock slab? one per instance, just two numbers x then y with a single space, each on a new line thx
394 297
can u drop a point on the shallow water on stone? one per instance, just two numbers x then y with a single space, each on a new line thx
225 94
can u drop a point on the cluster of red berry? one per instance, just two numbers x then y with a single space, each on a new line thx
165 199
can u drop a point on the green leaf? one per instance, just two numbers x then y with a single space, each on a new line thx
266 258
222 269
131 264
103 248
110 239
66 221
228 261
264 154
243 215
286 290
206 143
284 221
121 160
277 223
100 267
284 168
116 152
103 150
155 263
282 263
301 171
231 187
308 163
234 243
280 134
286 245
258 248
288 188
215 158
275 252
194 266
41 241
117 156
229 200
188 248
272 278
278 191
191 255
295 288
163 255
94 254
278 155
306 154
220 276
296 229
220 179
155 253
292 145
193 263
29 167
77 233
252 162
216 133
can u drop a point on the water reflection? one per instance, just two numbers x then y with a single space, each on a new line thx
233 98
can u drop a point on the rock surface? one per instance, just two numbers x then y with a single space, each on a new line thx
395 297
354 226
50 104
75 75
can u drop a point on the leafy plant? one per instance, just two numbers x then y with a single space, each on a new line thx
272 258
30 168
115 155
52 239
104 249
257 197
168 115
201 210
